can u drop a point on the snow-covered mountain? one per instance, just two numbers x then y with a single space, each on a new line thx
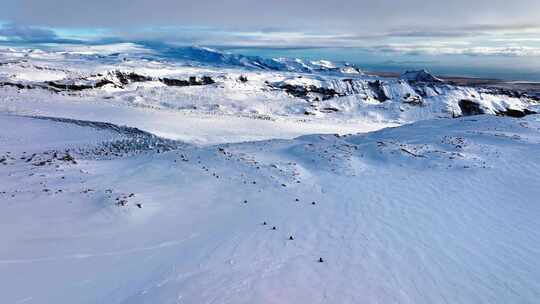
131 174
208 56
420 76
204 80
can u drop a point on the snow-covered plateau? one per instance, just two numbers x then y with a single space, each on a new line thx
139 174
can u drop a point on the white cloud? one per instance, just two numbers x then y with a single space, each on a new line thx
514 51
363 17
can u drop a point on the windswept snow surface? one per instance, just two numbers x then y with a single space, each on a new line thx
440 211
139 191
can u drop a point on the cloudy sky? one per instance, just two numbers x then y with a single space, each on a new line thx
466 27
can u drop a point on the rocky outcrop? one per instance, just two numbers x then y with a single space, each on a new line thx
470 108
511 93
308 92
127 78
414 100
329 110
68 87
516 113
15 84
378 90
192 81
116 79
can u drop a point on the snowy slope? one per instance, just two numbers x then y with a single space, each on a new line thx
132 174
440 211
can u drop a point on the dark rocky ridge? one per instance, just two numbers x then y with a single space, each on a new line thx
471 108
316 93
530 90
192 81
308 92
378 89
115 78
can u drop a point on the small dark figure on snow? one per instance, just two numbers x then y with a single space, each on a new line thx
264 223
313 203
291 238
321 260
274 228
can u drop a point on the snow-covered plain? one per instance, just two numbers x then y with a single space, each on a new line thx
434 210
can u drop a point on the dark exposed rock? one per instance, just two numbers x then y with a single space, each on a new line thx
193 81
103 82
516 113
205 80
326 93
118 79
512 93
14 84
470 108
307 92
329 110
126 78
68 87
297 91
115 78
243 78
68 158
175 82
378 89
414 100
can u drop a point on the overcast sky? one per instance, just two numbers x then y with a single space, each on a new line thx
473 27
357 16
